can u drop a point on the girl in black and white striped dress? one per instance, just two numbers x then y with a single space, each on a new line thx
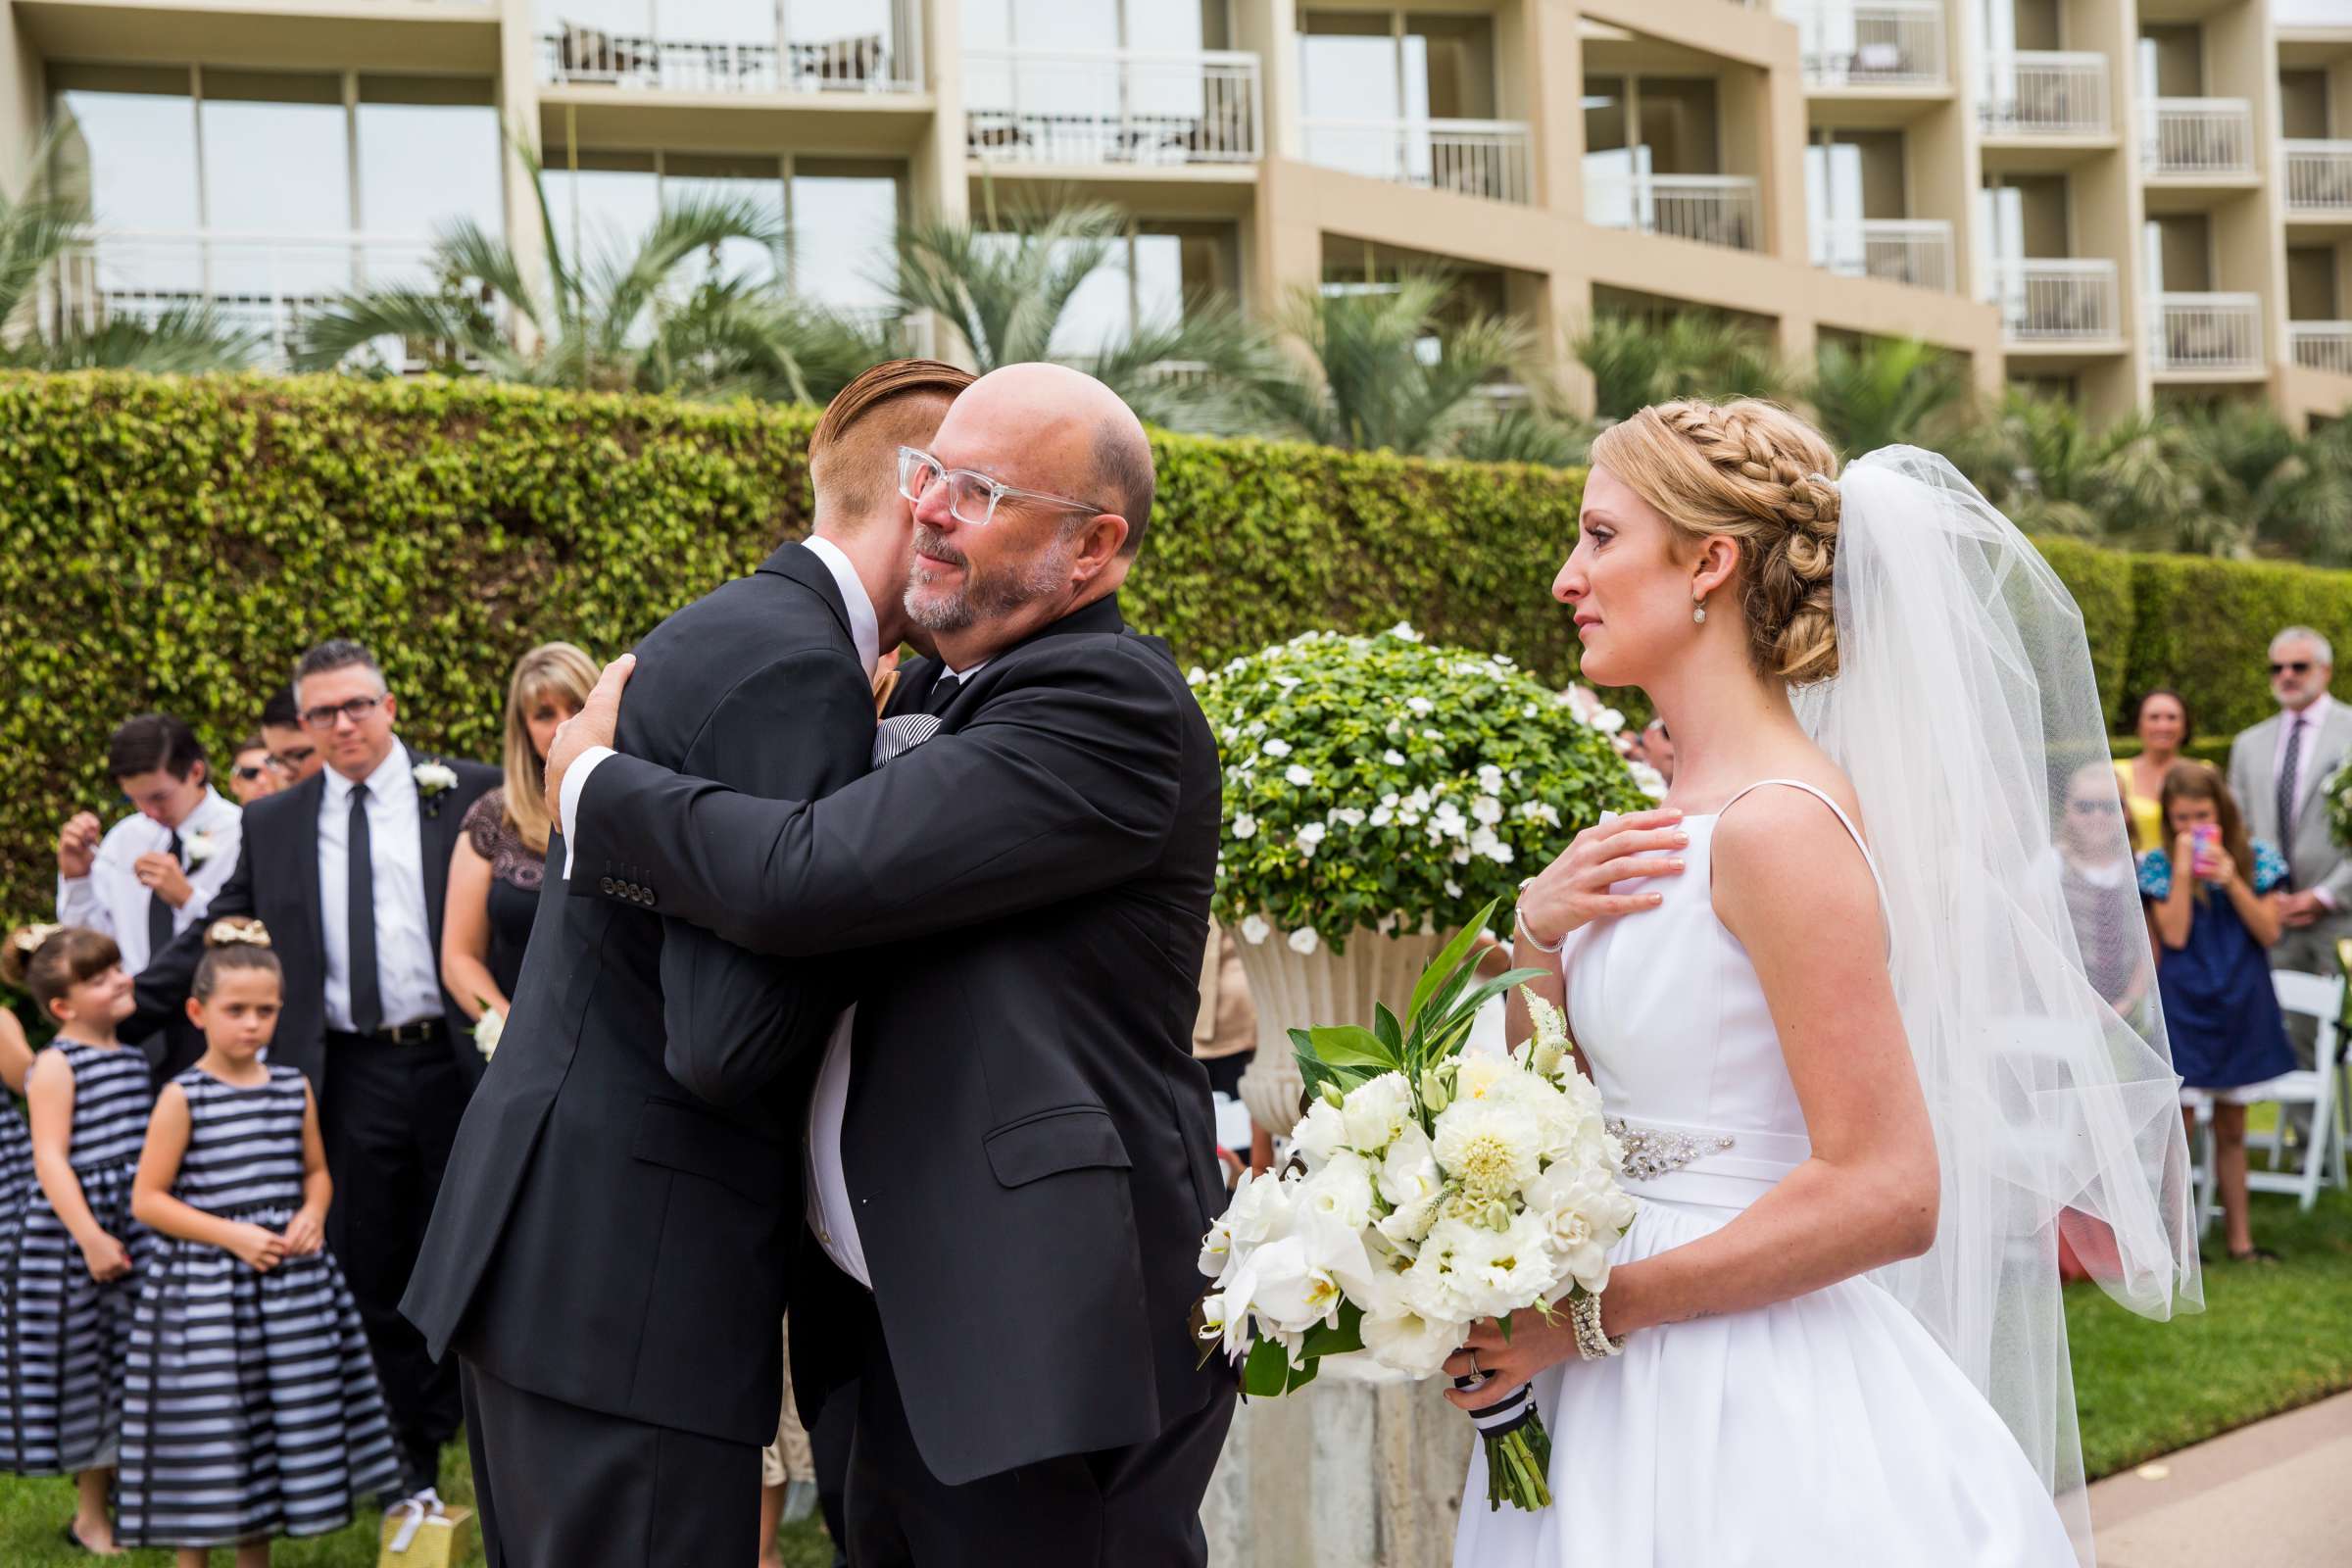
68 1288
250 1406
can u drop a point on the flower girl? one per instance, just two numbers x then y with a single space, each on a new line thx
68 1287
250 1406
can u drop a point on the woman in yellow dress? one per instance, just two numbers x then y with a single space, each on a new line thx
2161 721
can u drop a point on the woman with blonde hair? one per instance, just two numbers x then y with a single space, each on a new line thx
1833 997
494 872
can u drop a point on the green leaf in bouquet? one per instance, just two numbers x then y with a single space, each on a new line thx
1451 1030
1349 1045
1267 1371
1447 960
1390 1033
1302 1375
1329 1340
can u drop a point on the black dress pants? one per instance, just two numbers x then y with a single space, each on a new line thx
562 1487
1132 1507
389 1114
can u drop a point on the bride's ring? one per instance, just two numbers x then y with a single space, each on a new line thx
1475 1370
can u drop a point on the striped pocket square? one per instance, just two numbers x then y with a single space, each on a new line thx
899 735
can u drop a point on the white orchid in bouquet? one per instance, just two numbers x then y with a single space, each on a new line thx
1429 1189
1383 783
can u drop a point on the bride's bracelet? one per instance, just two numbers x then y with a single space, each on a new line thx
1519 921
1592 1341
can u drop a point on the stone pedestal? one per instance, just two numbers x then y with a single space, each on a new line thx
1347 1472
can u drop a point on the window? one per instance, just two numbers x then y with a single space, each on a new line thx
1397 66
1147 278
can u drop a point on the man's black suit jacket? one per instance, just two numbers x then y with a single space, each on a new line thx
277 881
1029 1144
604 1237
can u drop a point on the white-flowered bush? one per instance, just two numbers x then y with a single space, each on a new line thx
1382 783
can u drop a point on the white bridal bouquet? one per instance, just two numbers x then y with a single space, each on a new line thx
1428 1189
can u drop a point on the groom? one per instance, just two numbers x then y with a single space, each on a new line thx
1011 1148
611 1255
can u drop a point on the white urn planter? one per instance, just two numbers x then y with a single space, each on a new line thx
1293 990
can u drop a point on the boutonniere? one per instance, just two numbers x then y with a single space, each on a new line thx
199 848
487 1028
433 780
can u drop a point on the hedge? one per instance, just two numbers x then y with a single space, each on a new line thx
175 543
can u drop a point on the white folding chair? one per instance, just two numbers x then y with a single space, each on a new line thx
2314 1088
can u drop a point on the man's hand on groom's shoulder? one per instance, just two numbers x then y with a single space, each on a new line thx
593 725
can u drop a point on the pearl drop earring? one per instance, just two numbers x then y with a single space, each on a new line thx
1698 611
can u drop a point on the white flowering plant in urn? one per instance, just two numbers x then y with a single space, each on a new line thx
1381 783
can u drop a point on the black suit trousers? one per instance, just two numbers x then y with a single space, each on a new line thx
388 1119
1133 1507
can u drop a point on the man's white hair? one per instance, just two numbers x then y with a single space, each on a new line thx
2304 634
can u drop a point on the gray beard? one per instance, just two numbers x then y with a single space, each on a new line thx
989 598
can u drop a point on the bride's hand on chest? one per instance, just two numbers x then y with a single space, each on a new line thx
1574 890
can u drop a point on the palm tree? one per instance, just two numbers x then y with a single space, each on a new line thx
38 235
1637 362
630 317
1007 291
2034 458
1382 368
1887 392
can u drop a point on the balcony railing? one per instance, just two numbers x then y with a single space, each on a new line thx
2322 345
263 284
1913 251
1474 156
1112 107
2206 333
2318 179
2047 94
1870 43
2048 300
872 62
1711 209
2195 136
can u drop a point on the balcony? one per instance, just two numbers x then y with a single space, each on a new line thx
874 62
1917 252
1711 209
2318 179
1870 43
263 284
2198 138
2206 334
2048 301
2045 94
1486 157
1112 107
2322 345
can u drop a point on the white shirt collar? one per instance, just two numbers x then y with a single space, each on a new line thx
863 629
394 767
962 674
2316 715
214 812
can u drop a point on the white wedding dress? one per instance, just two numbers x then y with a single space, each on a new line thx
1828 1428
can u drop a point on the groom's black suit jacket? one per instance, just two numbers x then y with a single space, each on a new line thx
1029 1144
277 881
604 1237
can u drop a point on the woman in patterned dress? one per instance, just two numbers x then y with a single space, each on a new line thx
250 1406
66 1297
495 869
15 1139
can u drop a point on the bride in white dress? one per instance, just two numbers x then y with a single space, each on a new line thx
1834 997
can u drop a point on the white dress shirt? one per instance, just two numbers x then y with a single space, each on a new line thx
829 1211
2308 763
113 899
408 970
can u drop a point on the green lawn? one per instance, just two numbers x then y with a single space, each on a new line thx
2270 1339
32 1512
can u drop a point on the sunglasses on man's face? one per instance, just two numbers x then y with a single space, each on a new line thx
2297 666
249 771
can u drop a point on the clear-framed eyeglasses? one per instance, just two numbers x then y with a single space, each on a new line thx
972 496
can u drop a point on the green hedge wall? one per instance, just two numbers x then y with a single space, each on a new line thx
173 544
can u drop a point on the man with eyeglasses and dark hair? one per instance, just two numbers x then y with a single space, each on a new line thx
348 870
291 747
2278 770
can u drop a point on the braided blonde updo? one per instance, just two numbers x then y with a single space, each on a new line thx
1761 475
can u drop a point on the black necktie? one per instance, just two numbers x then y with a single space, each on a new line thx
159 913
366 994
2287 768
943 692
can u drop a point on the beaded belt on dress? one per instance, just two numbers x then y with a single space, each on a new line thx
1723 1166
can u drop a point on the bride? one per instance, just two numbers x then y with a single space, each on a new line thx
1833 993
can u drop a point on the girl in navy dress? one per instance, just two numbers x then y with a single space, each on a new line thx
2213 898
68 1288
251 1409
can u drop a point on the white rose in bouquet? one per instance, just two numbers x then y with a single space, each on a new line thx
1376 1112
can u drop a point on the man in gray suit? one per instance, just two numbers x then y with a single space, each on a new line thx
2277 770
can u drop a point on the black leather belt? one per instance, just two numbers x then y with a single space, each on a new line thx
422 1032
